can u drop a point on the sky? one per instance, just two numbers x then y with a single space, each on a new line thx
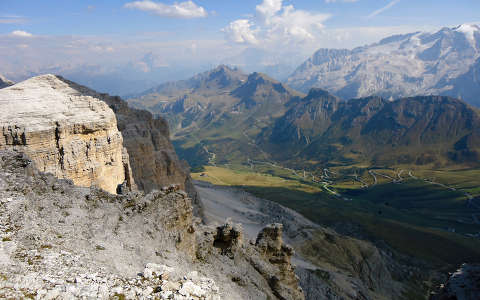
161 40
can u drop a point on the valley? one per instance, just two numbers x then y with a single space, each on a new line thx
402 174
414 218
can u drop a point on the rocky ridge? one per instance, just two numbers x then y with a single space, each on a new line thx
62 240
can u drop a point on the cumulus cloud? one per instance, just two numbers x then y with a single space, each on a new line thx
21 33
241 31
186 9
275 24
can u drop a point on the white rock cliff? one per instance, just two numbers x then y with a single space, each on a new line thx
65 133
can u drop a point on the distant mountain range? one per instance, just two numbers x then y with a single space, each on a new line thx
227 116
220 111
441 63
419 130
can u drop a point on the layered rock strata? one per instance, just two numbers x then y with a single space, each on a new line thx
152 157
65 132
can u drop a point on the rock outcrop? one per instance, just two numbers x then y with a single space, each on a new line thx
62 241
280 272
67 133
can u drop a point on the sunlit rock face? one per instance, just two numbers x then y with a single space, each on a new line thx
64 131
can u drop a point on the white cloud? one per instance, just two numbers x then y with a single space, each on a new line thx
186 9
21 33
241 31
276 25
381 10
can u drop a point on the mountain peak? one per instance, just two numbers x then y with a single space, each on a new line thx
260 76
318 93
226 68
468 29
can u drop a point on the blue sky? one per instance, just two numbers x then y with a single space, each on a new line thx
193 35
73 17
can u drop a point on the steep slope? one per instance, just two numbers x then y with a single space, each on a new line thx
331 266
398 66
67 133
419 130
63 241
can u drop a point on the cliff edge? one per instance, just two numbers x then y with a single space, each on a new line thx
66 133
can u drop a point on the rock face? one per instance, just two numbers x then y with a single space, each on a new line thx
418 63
62 241
464 284
67 133
152 158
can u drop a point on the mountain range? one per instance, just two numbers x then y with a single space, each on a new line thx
440 63
231 117
417 130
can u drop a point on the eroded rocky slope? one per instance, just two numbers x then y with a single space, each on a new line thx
61 240
329 265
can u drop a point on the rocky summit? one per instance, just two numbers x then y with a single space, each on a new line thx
66 133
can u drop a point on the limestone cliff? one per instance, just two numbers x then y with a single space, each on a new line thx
66 133
152 158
